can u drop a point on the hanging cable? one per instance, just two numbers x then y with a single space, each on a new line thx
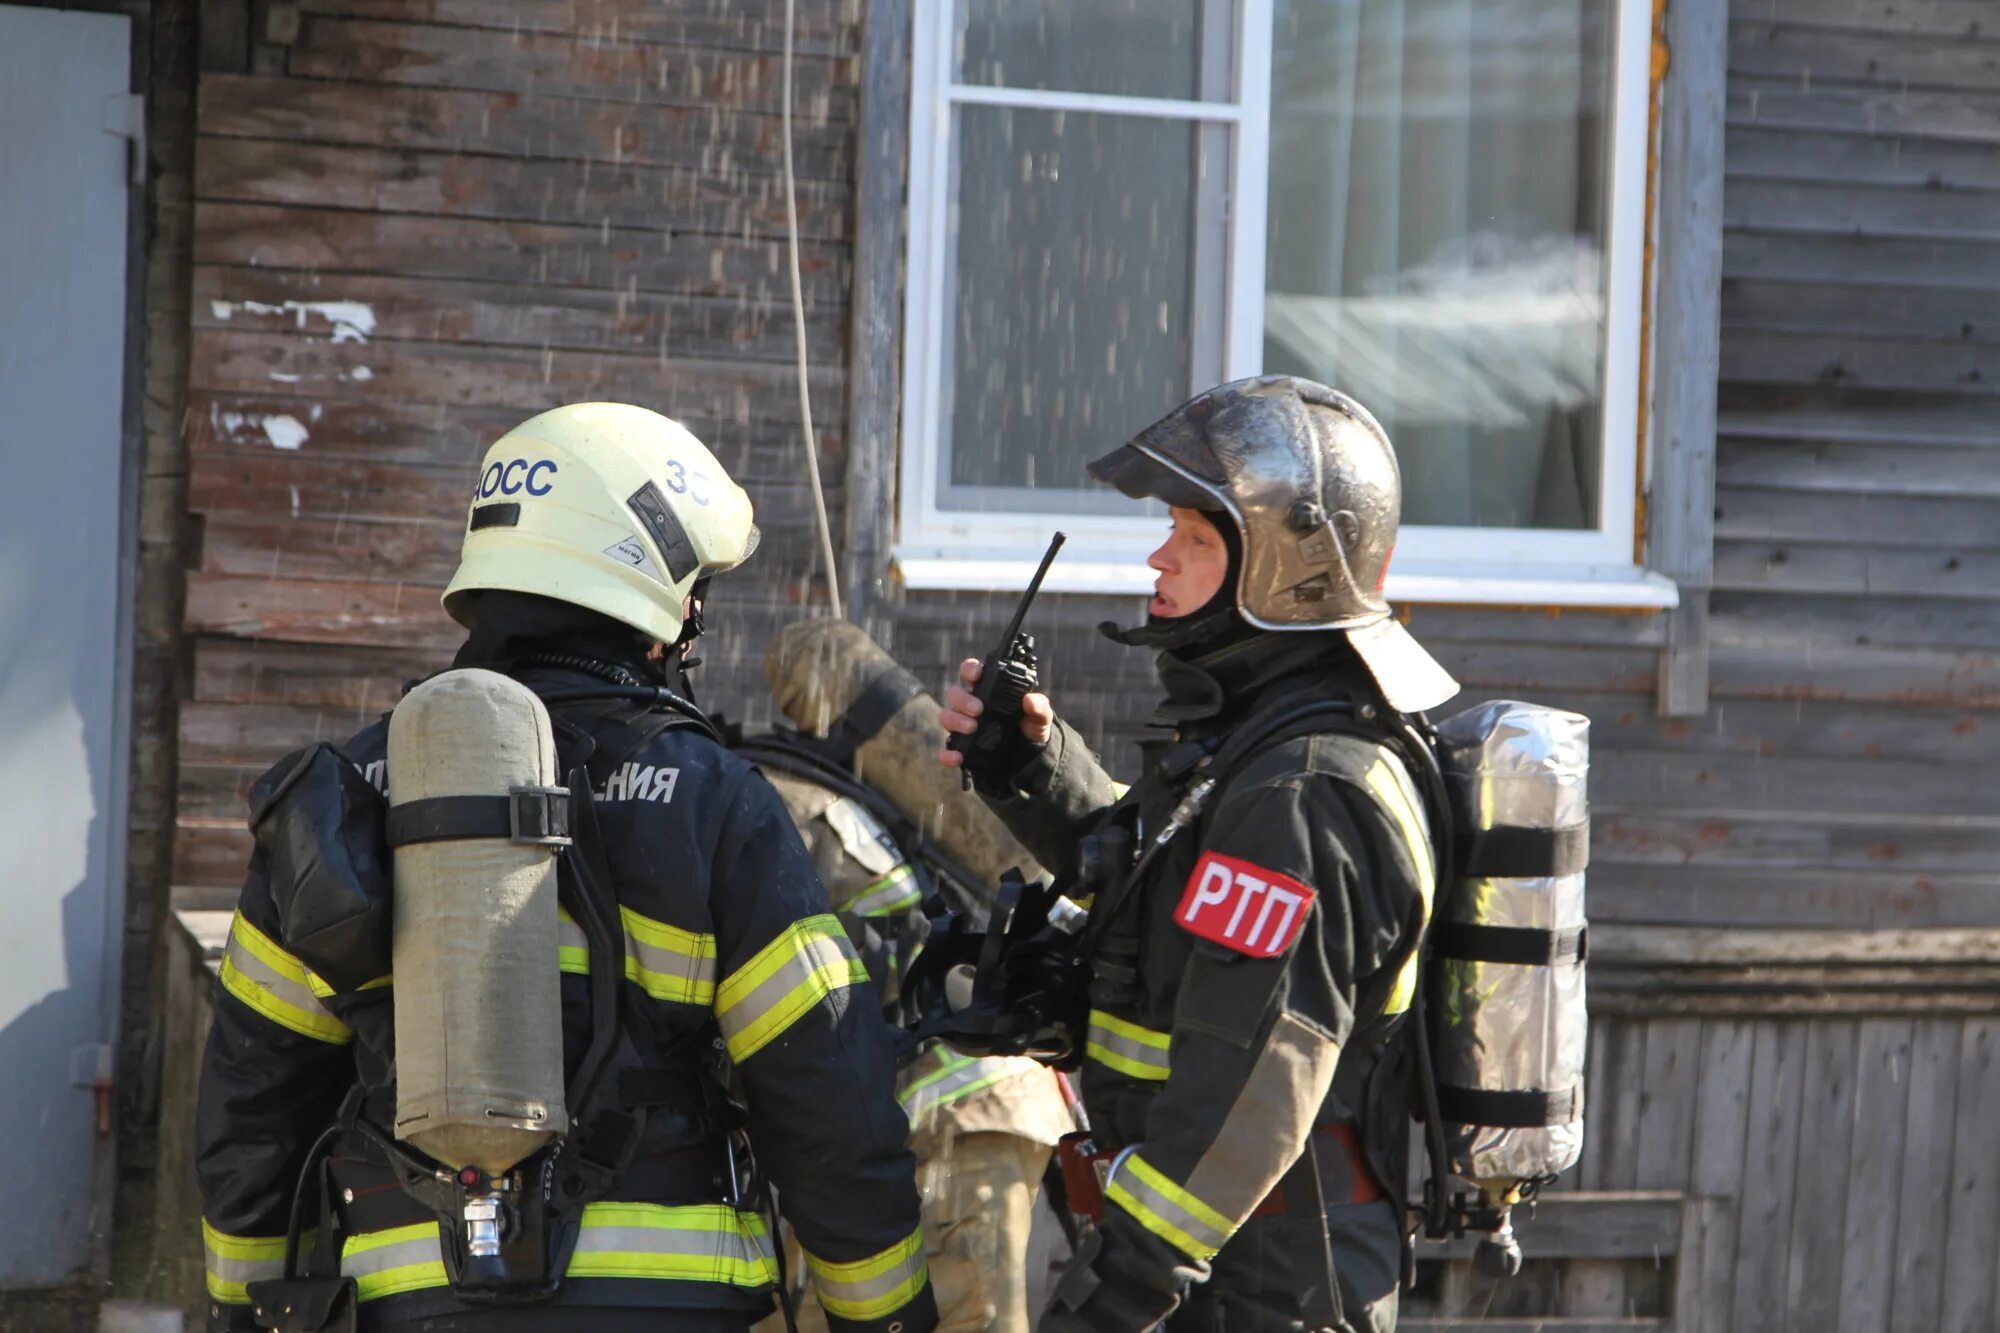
799 325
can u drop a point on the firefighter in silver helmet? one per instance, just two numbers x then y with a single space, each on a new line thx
715 1026
1261 893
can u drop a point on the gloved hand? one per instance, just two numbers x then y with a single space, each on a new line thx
1122 1279
993 770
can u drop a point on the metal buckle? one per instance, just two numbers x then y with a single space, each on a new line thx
539 816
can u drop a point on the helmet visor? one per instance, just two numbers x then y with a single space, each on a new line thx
1136 472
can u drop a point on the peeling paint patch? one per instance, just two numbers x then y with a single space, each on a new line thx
280 377
284 432
352 321
360 374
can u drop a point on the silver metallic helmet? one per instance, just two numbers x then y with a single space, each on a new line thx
1311 482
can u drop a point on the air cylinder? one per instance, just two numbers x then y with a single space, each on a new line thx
1509 940
479 1067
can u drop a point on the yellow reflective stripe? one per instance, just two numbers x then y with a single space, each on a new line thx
323 989
262 975
875 1287
1391 787
669 963
891 893
690 1243
1167 1210
400 1259
232 1263
1136 1052
666 962
1118 789
957 1078
809 961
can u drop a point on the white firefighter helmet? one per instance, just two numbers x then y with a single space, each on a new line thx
606 506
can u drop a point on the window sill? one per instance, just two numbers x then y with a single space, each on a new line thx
1616 589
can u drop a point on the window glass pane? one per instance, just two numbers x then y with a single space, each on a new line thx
1069 298
1131 48
1437 240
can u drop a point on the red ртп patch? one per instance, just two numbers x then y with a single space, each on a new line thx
1243 906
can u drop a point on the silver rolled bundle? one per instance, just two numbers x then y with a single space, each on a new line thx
1506 1003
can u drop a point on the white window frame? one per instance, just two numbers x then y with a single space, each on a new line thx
964 549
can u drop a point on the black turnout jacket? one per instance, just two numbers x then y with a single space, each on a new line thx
727 931
1247 997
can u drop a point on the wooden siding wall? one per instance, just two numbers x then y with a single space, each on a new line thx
418 222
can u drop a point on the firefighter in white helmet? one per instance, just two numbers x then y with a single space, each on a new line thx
716 1028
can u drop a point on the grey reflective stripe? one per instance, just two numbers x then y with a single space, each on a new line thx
806 963
958 1078
262 975
871 1288
569 935
1143 1191
386 1263
1132 1050
891 893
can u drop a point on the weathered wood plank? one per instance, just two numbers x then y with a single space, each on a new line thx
1868 1248
1599 1078
1756 247
1916 162
278 546
1961 118
1925 1183
1668 1098
451 120
1935 624
1756 669
530 253
1876 59
1785 356
1923 424
1814 1273
1619 1122
1843 571
234 736
416 309
1920 795
1721 1140
443 435
1755 728
1886 211
1969 19
1770 1172
389 615
730 203
1717 892
719 391
1971 1230
1786 513
345 678
1917 313
1444 624
1865 469
756 25
211 856
345 490
1778 842
570 64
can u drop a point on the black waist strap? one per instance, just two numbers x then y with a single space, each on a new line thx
1526 946
1530 1109
536 815
1510 851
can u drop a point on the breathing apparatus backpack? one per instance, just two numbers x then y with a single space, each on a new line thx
489 855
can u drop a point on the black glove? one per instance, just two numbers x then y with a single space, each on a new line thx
1122 1279
994 770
